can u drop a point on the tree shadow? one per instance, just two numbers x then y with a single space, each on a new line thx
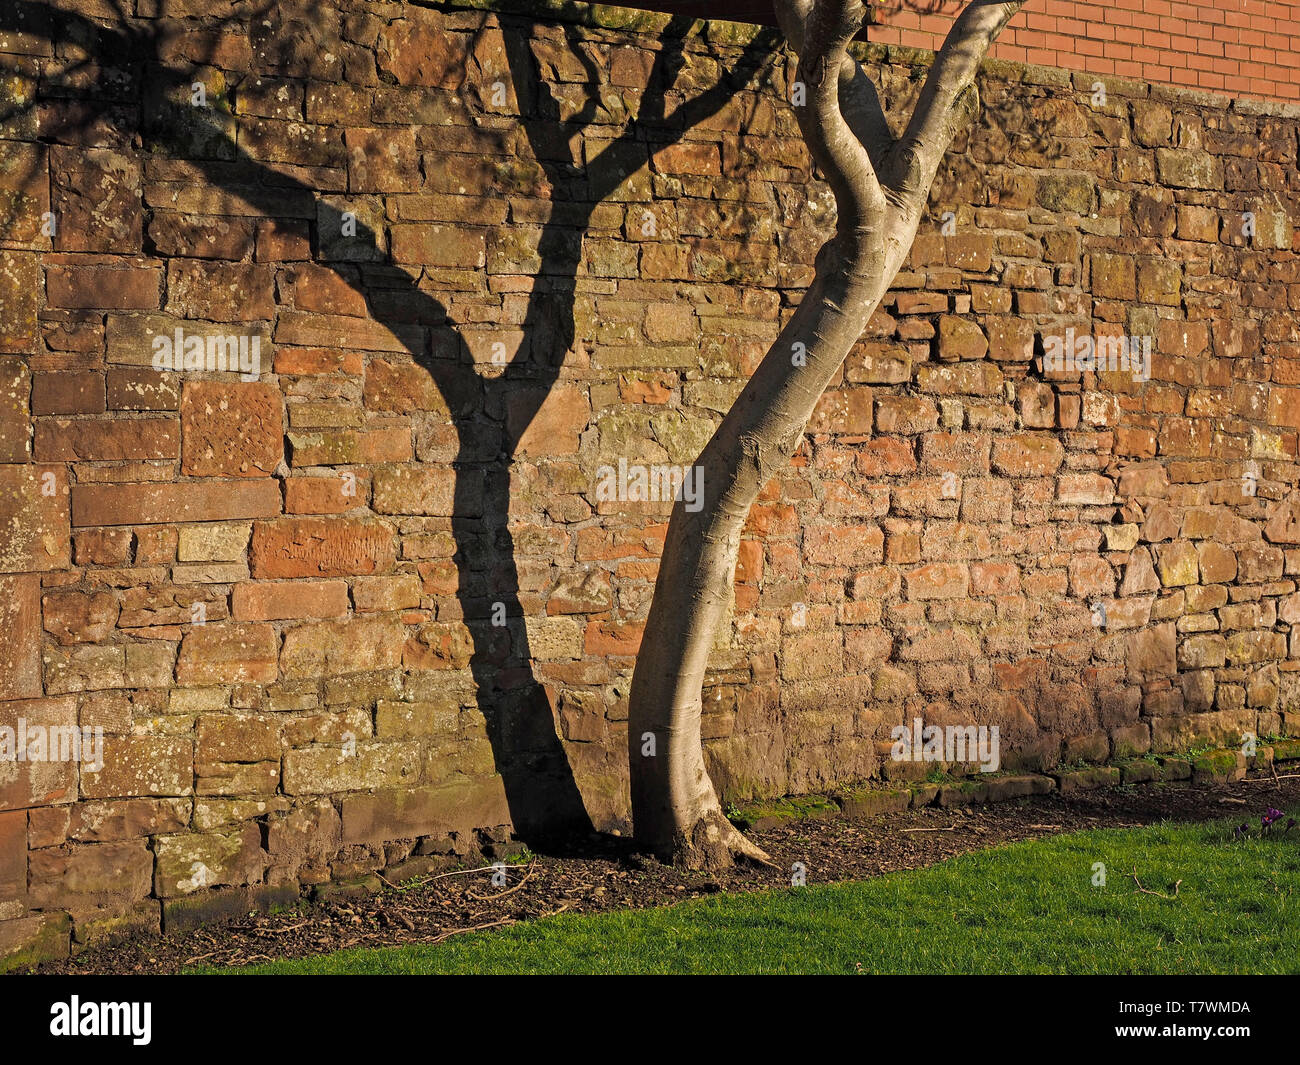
521 723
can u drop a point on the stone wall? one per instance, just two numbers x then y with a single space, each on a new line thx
367 604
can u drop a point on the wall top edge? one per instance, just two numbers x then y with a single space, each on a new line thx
723 32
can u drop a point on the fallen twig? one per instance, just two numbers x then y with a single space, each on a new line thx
280 931
508 891
1157 894
472 928
455 872
950 828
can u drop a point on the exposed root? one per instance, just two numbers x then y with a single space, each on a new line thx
715 843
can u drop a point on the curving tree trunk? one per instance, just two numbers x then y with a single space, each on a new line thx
880 184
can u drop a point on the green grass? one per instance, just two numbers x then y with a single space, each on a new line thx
1025 908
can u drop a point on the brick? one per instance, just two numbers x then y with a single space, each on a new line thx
454 808
1010 339
141 766
68 393
400 592
138 389
150 503
422 490
321 547
218 291
96 198
547 425
217 542
852 545
960 338
440 245
102 547
64 440
402 387
79 617
228 653
1027 455
905 416
306 330
122 288
842 411
284 601
324 648
323 495
381 160
15 410
20 280
34 515
237 738
185 864
231 430
940 580
20 651
1088 489
1114 277
344 447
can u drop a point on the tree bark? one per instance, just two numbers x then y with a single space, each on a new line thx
880 187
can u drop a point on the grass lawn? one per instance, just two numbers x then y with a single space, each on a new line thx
1025 908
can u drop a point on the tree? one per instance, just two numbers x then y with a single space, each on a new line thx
881 184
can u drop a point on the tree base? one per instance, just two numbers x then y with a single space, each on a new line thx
713 843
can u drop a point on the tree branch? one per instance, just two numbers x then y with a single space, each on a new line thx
948 99
859 101
821 32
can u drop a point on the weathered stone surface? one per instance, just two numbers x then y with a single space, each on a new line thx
325 770
321 547
228 653
34 517
417 490
15 410
223 542
456 807
289 600
96 198
91 873
79 617
20 651
142 765
191 862
152 503
231 430
332 647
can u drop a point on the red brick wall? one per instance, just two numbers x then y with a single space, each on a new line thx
1236 47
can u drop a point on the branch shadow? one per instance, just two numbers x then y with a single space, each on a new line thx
521 724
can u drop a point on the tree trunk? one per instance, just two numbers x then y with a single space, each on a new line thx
676 811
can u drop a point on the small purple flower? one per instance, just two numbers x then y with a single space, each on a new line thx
1271 815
